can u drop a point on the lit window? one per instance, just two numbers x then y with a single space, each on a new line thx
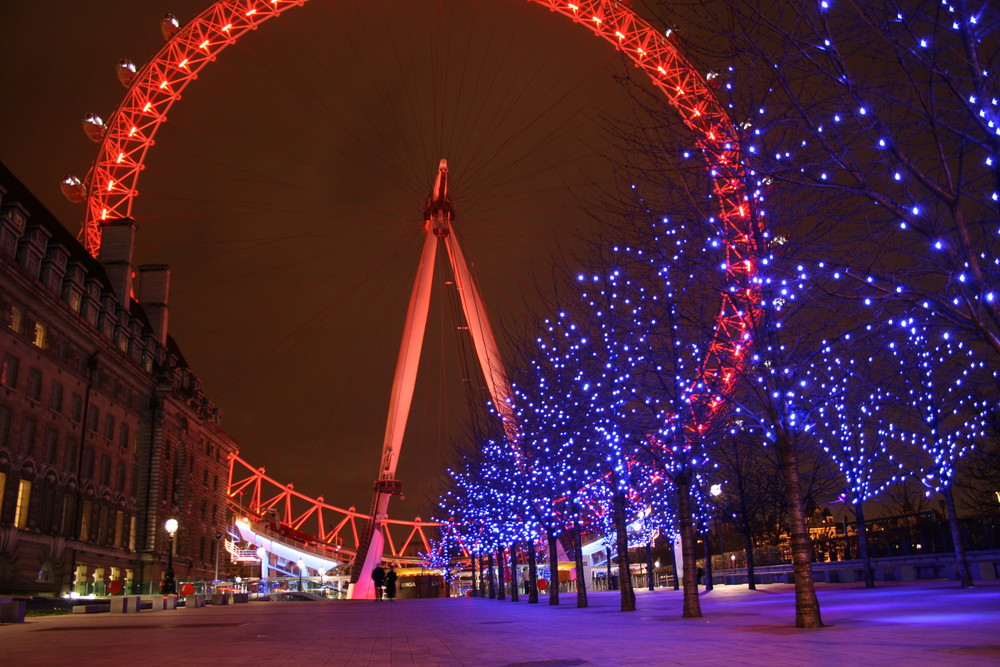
8 371
23 504
41 340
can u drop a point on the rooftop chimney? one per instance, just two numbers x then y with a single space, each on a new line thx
154 287
115 256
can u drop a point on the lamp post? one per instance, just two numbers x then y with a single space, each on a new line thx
650 573
169 583
218 543
302 566
716 491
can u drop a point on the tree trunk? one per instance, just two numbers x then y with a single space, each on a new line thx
624 573
581 580
863 553
607 565
961 562
649 567
515 580
553 569
692 605
806 603
532 574
748 548
489 575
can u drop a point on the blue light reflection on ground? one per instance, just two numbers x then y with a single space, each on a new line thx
937 619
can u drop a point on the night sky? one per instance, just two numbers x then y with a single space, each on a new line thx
287 191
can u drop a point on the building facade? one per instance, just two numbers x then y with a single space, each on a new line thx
104 430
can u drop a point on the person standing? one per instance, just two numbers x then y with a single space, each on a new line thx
390 582
378 578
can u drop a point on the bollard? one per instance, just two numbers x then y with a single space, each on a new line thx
164 602
12 611
121 604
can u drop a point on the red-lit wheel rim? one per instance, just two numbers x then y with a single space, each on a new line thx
112 188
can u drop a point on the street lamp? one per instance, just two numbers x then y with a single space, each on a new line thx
169 583
302 566
218 543
716 491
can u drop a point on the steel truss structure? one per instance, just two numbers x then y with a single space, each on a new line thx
112 185
315 525
131 130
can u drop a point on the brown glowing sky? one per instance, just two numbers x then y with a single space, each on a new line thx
288 186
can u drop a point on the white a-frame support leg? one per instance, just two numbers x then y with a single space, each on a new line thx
437 227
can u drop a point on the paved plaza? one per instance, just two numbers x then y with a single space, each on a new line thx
923 623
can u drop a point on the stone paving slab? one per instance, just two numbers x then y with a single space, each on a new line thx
914 624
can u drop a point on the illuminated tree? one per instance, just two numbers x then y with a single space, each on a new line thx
557 463
654 337
857 431
776 344
890 110
578 348
557 440
943 379
485 507
881 119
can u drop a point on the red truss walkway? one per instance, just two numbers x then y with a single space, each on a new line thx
311 525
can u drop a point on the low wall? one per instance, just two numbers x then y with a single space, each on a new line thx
984 566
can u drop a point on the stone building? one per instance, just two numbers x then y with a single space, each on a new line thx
104 431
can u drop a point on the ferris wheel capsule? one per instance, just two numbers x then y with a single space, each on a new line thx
169 25
73 189
94 127
126 72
